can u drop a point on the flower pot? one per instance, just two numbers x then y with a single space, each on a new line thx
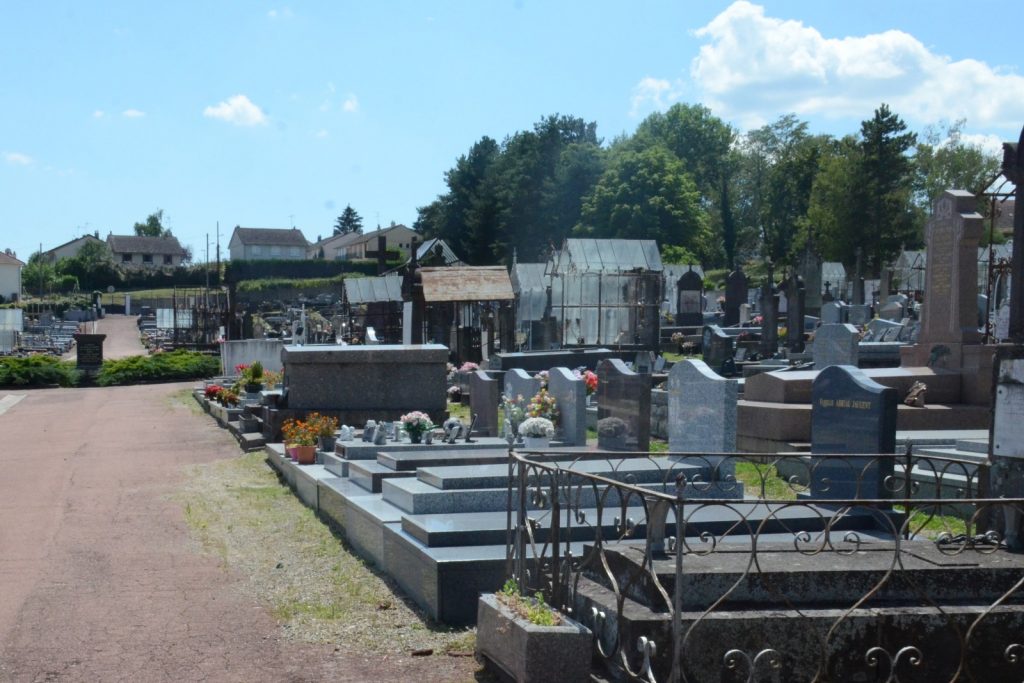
305 455
254 388
536 442
416 437
530 653
290 451
326 443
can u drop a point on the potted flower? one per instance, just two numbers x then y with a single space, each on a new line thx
678 338
300 437
415 424
325 426
252 377
517 634
543 404
589 378
212 391
537 432
454 393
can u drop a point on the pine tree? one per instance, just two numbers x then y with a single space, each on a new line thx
348 221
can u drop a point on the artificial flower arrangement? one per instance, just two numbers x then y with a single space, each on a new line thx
543 377
415 423
543 405
468 366
589 377
228 397
454 393
537 427
271 378
211 392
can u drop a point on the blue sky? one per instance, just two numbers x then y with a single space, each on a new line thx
272 114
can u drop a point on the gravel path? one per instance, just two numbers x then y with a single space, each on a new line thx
122 337
99 579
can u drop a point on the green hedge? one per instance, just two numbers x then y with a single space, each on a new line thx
160 367
37 371
238 271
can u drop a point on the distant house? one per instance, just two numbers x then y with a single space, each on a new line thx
364 245
249 244
70 249
131 251
10 277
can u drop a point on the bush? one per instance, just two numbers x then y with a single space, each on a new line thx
160 367
300 269
37 371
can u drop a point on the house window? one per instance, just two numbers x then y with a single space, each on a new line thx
168 261
147 258
257 250
275 251
126 258
296 252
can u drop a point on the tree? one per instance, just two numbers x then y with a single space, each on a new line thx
153 227
943 161
647 195
93 266
349 221
886 174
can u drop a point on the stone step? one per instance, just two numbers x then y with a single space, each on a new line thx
634 470
251 442
973 446
411 460
796 637
362 450
446 582
482 528
936 437
419 497
825 579
369 474
339 466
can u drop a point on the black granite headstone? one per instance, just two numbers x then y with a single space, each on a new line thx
795 315
89 350
716 346
769 320
735 294
484 397
851 414
623 408
689 299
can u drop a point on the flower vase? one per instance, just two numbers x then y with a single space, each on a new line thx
533 443
326 443
305 455
416 437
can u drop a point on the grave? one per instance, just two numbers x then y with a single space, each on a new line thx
835 345
851 414
701 414
246 351
623 408
359 383
769 320
795 315
735 295
716 346
570 394
834 312
858 314
89 351
484 397
810 272
535 361
519 382
689 300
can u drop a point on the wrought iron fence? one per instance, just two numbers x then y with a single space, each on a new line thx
700 567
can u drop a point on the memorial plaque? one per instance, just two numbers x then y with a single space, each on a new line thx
851 414
623 408
89 351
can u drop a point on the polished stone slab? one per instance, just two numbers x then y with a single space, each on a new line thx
369 474
361 450
638 470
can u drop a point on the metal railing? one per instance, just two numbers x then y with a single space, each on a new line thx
694 567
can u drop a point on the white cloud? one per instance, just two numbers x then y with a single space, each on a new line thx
321 133
239 110
98 114
990 144
351 104
18 159
283 13
653 93
753 67
133 114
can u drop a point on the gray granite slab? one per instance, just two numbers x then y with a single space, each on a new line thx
369 474
359 450
701 413
836 344
640 471
484 397
570 393
623 408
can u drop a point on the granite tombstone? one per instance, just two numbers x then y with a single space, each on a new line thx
624 408
851 414
836 345
701 414
484 397
570 394
735 294
716 346
689 299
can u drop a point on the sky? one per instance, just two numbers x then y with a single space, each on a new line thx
278 115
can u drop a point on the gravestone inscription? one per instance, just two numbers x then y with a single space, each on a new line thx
89 351
689 293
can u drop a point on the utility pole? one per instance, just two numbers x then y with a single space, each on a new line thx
218 250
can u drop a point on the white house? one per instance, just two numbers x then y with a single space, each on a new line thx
267 243
355 245
70 249
10 277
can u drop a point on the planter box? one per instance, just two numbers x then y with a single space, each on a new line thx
529 653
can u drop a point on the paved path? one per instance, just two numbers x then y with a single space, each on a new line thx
122 337
99 580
